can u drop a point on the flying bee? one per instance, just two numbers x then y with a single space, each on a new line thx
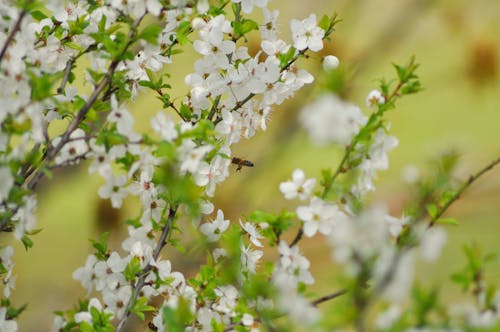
241 162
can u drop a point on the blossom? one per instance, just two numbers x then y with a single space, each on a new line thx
227 299
6 325
73 149
377 160
253 232
318 216
114 189
214 229
375 97
432 243
329 119
247 5
293 267
250 258
165 126
299 186
306 34
7 181
330 62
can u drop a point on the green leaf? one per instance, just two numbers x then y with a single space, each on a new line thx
38 15
244 26
101 246
141 306
133 269
324 23
27 242
432 210
150 33
448 221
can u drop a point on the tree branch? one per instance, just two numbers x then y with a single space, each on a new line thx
156 253
329 297
14 30
472 178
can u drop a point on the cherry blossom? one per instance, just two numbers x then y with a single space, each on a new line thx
299 186
306 34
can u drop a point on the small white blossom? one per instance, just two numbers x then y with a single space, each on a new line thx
299 186
374 97
432 243
318 216
253 232
307 34
6 325
330 62
76 147
7 181
250 258
114 189
329 119
214 229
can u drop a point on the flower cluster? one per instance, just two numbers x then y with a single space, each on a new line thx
49 121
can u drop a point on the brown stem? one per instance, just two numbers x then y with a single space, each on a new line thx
329 297
156 253
472 178
14 30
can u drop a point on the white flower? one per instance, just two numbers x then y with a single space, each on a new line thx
329 119
191 156
375 97
227 299
114 189
306 34
123 119
330 62
294 267
387 318
318 216
253 232
7 181
214 229
74 148
85 274
298 187
165 126
116 301
218 253
250 258
6 325
247 5
432 243
378 160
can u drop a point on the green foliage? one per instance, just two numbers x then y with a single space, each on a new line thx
133 269
177 319
278 223
151 33
101 247
141 306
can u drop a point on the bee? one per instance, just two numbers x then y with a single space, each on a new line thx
241 162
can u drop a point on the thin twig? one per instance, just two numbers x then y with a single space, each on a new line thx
14 30
156 253
67 72
472 178
329 297
298 237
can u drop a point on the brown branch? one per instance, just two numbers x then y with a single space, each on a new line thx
329 297
156 253
472 178
14 30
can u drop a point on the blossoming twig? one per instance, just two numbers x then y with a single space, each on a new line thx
14 30
156 253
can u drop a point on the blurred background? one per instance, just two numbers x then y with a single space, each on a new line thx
457 43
